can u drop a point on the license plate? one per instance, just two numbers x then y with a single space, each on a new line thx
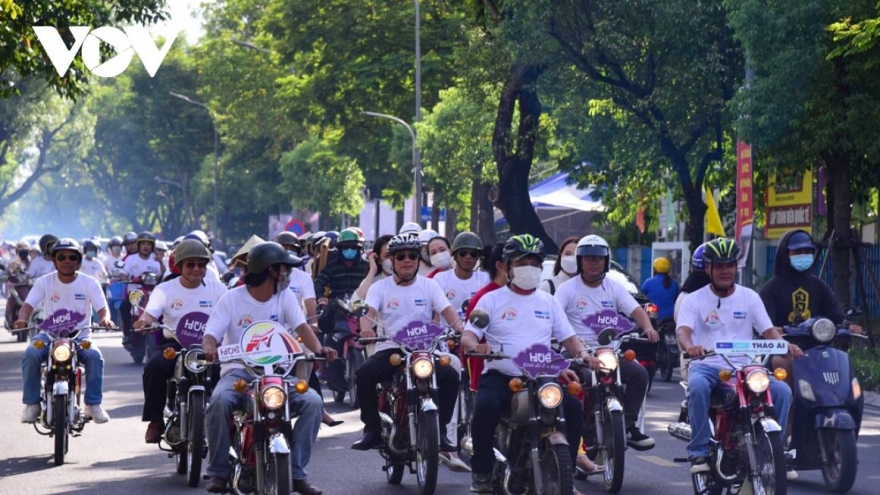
670 340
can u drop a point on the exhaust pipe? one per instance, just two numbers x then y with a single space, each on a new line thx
681 431
467 443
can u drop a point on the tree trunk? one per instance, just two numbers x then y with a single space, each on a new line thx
838 182
451 220
514 164
482 219
696 221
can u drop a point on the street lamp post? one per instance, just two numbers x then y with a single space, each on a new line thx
216 145
417 159
417 168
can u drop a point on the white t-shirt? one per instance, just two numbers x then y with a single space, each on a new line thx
237 309
457 290
399 305
40 266
135 266
714 319
110 262
517 321
185 310
302 286
94 268
580 301
80 296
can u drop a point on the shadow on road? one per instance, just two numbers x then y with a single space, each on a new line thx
22 465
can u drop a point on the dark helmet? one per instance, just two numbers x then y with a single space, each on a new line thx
287 237
404 242
129 238
264 255
466 240
146 237
520 246
114 241
46 242
721 250
189 249
333 236
90 244
800 240
67 244
698 263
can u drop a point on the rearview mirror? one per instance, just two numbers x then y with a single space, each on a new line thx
359 307
479 318
606 336
465 305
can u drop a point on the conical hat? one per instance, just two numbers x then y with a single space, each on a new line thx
253 241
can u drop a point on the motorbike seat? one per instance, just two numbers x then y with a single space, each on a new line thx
722 397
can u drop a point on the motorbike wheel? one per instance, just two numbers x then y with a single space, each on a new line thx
394 473
840 446
556 470
427 451
355 360
771 463
278 475
667 364
137 347
703 485
195 445
59 422
615 450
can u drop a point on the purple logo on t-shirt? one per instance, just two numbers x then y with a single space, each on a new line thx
418 335
61 322
609 319
191 328
539 359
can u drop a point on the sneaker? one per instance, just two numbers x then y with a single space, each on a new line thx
97 413
791 474
481 483
699 465
31 413
154 432
638 440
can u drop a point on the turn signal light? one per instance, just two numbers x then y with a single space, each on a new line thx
450 344
444 360
301 386
39 344
395 359
515 384
574 388
780 374
169 353
240 385
724 375
85 344
629 355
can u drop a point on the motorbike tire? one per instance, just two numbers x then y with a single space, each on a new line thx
615 450
138 348
668 363
703 485
769 452
427 451
195 445
277 475
556 470
840 446
59 427
355 361
394 473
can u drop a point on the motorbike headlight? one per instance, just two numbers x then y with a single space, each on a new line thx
758 381
823 330
273 397
423 368
607 361
550 395
195 361
61 353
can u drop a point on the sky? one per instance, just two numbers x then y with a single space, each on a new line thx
182 12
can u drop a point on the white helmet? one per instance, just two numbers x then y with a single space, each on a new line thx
410 228
426 235
593 245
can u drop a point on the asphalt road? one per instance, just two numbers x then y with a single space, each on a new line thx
113 458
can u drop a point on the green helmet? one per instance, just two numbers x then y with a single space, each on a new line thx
350 236
466 240
721 250
520 246
264 255
189 249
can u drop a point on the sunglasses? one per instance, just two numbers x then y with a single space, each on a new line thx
195 264
468 252
65 257
404 256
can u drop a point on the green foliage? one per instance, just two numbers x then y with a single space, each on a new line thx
854 38
867 365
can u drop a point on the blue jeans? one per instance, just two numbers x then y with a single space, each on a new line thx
701 380
225 400
91 359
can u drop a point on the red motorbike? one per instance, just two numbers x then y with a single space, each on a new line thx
19 288
139 344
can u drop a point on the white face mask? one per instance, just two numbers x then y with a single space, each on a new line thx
441 260
387 266
526 277
569 264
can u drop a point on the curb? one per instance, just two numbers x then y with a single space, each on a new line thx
872 400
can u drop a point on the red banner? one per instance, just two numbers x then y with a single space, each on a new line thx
744 211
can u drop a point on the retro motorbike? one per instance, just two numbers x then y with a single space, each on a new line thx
140 345
351 353
747 444
19 288
828 404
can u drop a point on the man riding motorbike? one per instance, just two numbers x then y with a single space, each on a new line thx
135 266
91 265
722 311
130 243
43 264
69 292
17 266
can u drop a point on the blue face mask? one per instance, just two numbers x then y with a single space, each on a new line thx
349 254
802 262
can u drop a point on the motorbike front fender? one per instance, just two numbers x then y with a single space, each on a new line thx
278 444
835 419
60 387
427 404
769 425
193 389
555 437
612 405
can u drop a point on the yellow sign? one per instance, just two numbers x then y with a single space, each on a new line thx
789 205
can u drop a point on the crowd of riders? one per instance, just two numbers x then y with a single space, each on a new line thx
413 274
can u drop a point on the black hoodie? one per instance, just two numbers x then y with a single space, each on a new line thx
790 289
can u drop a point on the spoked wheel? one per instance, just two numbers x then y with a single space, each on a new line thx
427 451
355 360
195 444
615 451
556 470
703 485
840 447
59 427
770 479
276 474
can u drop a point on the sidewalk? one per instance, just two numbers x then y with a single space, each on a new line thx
872 400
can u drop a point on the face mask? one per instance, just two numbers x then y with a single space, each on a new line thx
441 260
349 254
526 277
802 262
91 254
387 267
569 264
